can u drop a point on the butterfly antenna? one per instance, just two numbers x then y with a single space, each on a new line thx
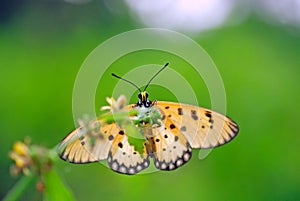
126 81
156 75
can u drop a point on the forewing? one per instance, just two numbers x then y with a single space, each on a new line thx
85 146
203 128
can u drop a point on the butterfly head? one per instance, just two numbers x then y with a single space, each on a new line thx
143 95
143 100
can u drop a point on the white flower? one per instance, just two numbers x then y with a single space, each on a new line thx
114 105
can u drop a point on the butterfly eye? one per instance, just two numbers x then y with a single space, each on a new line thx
148 103
146 95
140 96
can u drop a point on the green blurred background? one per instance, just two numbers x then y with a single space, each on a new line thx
42 46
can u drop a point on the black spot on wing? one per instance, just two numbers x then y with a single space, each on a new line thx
183 128
180 112
172 126
208 114
194 115
110 138
120 167
179 161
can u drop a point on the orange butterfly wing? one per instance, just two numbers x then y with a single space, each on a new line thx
203 128
169 146
82 146
109 142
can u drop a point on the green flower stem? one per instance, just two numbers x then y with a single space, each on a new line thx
117 117
19 188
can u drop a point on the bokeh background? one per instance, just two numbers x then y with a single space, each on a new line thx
255 45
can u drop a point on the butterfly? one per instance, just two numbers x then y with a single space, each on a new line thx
169 133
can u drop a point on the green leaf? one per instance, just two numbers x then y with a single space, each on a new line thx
19 188
135 138
55 188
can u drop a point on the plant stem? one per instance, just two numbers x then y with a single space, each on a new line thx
19 188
